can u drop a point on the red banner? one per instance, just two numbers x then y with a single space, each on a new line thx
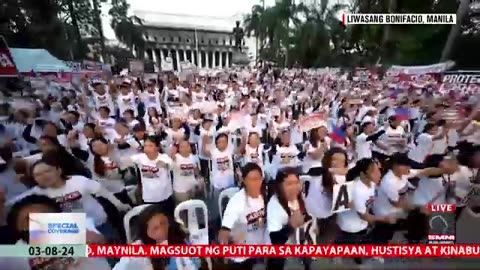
7 65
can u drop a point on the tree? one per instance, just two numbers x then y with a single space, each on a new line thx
127 28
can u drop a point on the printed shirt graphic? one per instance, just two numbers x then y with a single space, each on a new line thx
156 182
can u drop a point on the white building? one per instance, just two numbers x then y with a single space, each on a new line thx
205 41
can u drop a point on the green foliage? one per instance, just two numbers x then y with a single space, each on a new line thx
313 36
64 27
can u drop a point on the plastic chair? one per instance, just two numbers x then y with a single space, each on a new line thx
227 193
198 236
127 219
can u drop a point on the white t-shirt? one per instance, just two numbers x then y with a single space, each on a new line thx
184 173
308 161
429 191
222 168
286 157
152 100
127 102
363 197
245 216
76 196
211 140
104 100
318 201
254 155
440 145
156 182
363 148
277 216
423 148
392 189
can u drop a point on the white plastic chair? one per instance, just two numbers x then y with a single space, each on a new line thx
305 181
128 217
131 191
227 193
198 236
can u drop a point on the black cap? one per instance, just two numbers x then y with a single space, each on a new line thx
400 159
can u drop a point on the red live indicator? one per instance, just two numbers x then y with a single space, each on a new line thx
442 208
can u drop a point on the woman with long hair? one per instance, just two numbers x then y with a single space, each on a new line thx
154 168
354 223
286 212
155 226
109 169
319 193
244 217
315 147
284 154
186 172
75 193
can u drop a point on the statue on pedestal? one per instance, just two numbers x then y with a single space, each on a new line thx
238 34
239 57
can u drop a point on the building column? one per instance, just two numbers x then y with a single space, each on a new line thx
214 60
162 56
199 54
145 54
185 55
221 59
207 62
154 56
227 59
178 59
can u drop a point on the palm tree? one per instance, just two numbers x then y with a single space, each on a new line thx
127 28
253 24
98 24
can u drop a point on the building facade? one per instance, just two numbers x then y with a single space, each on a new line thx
206 46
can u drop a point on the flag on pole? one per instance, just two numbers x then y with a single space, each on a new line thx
338 135
402 113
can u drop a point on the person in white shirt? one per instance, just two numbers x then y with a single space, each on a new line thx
155 226
354 223
155 182
393 196
315 147
365 141
186 172
285 211
18 220
129 117
222 174
109 169
318 191
253 150
244 217
423 145
75 193
105 122
284 154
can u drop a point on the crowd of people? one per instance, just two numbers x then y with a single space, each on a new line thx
283 138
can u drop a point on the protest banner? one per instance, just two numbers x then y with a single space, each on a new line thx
461 80
312 121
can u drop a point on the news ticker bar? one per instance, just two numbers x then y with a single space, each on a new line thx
228 251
